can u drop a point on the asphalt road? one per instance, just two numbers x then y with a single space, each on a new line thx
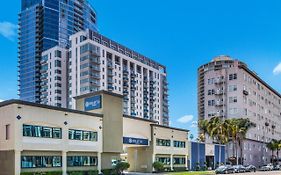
262 173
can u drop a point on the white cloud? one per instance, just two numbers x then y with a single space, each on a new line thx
8 30
185 119
277 69
1 100
194 124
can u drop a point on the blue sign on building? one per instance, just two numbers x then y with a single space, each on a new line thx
135 141
92 103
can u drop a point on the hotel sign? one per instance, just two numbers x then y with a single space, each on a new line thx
135 141
92 103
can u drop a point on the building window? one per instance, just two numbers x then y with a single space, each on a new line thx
40 161
179 144
7 132
57 63
41 131
163 142
164 160
80 161
179 161
232 99
232 88
58 53
232 76
82 135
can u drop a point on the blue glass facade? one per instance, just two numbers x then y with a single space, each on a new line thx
43 25
198 155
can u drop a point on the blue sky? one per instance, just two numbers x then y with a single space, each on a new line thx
180 34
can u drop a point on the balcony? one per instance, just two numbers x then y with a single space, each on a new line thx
219 103
125 79
110 88
219 92
219 81
110 65
125 72
220 114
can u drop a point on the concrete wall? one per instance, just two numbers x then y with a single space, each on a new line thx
7 163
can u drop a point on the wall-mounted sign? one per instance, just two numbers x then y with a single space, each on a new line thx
135 141
92 103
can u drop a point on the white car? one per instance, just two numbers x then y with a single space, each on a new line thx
268 167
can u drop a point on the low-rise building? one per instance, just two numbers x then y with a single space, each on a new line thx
42 138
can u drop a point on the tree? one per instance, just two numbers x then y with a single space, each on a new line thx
158 166
245 125
221 130
121 166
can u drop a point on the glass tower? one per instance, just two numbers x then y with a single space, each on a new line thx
44 24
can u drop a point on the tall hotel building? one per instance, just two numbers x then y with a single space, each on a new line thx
44 24
229 89
98 63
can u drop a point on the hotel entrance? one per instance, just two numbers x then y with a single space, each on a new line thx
138 153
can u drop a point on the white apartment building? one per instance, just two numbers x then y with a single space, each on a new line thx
229 89
54 77
98 63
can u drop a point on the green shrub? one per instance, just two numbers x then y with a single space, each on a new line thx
121 166
91 172
42 173
179 169
108 172
158 166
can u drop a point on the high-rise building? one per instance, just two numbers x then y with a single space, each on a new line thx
98 63
227 88
44 24
53 77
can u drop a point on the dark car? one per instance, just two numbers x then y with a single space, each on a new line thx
239 169
224 169
276 167
250 168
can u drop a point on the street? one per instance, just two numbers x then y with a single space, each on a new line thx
256 173
263 173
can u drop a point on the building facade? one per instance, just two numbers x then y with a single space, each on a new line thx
227 88
98 63
42 138
54 77
44 24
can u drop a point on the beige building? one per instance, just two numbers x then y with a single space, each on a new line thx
229 89
41 138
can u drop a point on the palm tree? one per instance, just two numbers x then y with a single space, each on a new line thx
203 125
278 149
234 130
272 146
244 125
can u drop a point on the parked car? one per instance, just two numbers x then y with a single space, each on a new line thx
276 167
268 167
226 169
250 168
239 169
